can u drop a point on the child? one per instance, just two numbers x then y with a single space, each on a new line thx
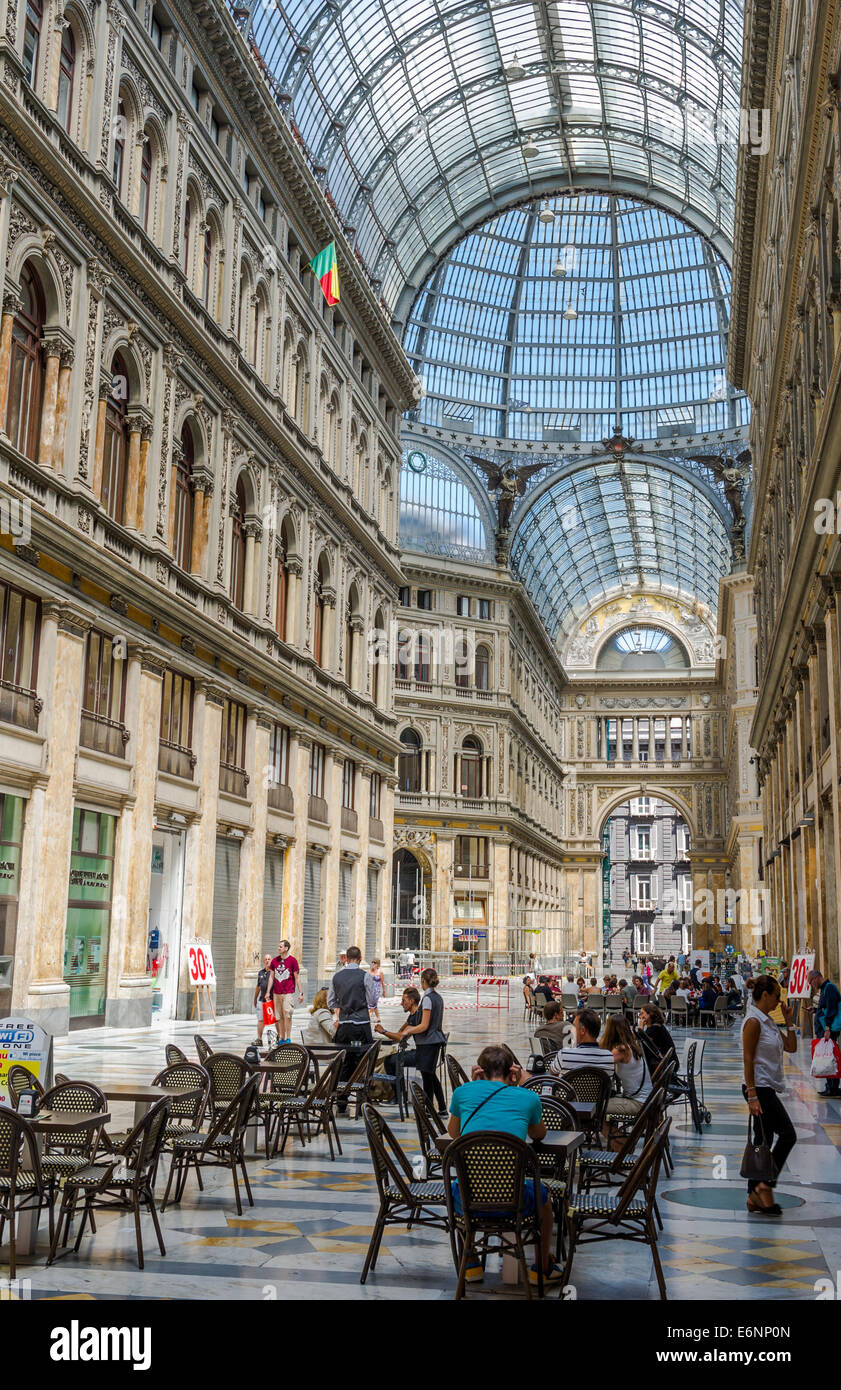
376 974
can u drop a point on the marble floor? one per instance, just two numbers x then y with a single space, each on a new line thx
306 1236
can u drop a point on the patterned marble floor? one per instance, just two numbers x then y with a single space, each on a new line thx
306 1236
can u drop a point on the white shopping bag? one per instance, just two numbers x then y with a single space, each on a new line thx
823 1059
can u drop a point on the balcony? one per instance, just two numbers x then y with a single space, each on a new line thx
103 735
376 830
233 780
19 706
174 759
468 871
641 856
642 905
350 820
317 810
280 798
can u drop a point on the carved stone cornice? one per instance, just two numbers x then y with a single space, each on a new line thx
213 694
201 479
68 619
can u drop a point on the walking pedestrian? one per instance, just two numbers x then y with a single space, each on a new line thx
763 1045
827 1020
285 980
260 992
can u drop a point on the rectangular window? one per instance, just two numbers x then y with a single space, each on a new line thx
463 606
485 608
684 893
103 701
642 938
405 597
279 755
376 796
20 628
32 39
175 751
425 598
89 913
349 784
642 842
642 891
682 838
232 775
471 856
317 758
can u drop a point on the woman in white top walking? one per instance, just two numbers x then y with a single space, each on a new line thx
763 1044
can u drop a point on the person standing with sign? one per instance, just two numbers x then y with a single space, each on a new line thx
285 972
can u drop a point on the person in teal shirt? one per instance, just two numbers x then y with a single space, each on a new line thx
495 1100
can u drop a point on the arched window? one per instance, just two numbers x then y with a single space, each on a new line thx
375 659
188 228
403 656
242 306
471 768
483 668
119 149
66 74
23 414
145 182
423 660
409 762
32 39
238 548
207 267
115 457
182 545
256 331
282 605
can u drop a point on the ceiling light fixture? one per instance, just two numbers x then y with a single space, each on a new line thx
570 312
529 148
515 72
546 215
559 270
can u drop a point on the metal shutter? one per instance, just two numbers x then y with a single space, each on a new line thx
224 931
311 922
343 927
272 902
371 913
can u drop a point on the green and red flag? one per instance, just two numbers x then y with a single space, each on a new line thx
326 271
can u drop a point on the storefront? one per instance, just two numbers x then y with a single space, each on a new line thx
163 945
89 915
12 815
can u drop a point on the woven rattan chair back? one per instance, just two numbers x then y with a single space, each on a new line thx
15 1136
80 1098
555 1086
556 1115
233 1119
458 1076
490 1169
203 1048
227 1074
174 1054
643 1175
295 1061
142 1148
186 1076
427 1123
21 1079
391 1166
591 1085
60 1078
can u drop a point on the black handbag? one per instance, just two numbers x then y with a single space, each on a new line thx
757 1161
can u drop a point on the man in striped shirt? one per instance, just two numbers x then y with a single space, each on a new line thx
586 1052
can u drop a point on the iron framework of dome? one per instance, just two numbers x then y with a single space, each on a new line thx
425 119
557 319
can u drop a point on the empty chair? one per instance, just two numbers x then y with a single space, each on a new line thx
317 1108
203 1049
355 1088
429 1127
455 1071
403 1200
228 1074
186 1112
69 1153
118 1182
221 1147
293 1064
174 1054
22 1188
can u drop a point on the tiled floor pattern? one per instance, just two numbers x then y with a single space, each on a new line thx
307 1234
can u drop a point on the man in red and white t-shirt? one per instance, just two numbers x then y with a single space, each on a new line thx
283 982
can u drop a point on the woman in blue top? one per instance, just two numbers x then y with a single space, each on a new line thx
496 1100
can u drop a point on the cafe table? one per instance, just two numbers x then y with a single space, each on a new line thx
145 1096
50 1124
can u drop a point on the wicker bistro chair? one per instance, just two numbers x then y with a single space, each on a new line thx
120 1182
317 1107
490 1170
398 1079
591 1085
429 1128
624 1213
23 1187
553 1173
174 1054
554 1087
60 1078
283 1085
355 1088
221 1147
203 1048
68 1154
228 1074
22 1079
403 1201
186 1112
600 1167
455 1071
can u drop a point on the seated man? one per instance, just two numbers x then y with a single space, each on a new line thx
410 1003
495 1100
554 1027
543 991
586 1051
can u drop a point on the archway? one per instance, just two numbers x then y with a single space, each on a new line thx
411 900
647 888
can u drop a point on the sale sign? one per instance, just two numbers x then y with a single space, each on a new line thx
200 963
798 983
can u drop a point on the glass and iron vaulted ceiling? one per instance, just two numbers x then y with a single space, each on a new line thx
428 116
623 524
557 319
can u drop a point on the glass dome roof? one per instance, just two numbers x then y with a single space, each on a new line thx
426 119
559 317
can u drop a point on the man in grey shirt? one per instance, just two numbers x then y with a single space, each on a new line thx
353 992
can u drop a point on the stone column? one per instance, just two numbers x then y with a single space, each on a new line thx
296 854
498 938
12 305
133 497
386 889
295 566
360 898
52 350
202 501
200 852
63 635
443 885
146 430
93 413
253 532
253 863
99 444
330 869
132 1006
9 173
65 371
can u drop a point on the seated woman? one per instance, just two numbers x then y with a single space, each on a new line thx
320 1031
654 1036
495 1100
631 1069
